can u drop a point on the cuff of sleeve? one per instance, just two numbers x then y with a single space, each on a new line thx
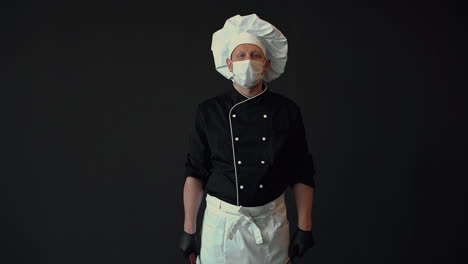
305 172
309 181
193 173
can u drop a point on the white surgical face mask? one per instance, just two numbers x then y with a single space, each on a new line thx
247 73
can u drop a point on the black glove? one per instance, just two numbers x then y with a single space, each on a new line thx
300 243
189 244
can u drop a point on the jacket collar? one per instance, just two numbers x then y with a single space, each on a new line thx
238 96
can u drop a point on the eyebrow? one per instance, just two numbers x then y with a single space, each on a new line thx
255 51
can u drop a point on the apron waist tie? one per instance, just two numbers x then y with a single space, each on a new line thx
251 225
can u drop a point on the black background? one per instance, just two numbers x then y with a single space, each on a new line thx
100 98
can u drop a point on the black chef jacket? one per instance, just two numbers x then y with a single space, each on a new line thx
248 150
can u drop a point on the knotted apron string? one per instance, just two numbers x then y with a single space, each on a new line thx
250 224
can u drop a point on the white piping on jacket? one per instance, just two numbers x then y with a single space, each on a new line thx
232 140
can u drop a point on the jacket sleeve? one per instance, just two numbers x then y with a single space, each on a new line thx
303 169
197 162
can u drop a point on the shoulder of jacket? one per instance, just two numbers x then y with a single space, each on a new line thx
285 100
210 101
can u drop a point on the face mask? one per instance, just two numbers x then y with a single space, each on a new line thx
247 73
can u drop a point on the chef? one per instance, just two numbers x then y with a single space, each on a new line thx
246 147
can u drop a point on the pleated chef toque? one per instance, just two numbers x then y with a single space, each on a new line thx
250 29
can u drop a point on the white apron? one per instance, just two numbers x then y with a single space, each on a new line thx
238 234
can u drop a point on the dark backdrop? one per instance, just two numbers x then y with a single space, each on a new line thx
100 98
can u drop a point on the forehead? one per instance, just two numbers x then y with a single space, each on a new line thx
247 47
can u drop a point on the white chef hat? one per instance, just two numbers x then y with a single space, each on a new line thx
250 29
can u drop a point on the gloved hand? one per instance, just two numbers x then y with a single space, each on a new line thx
300 243
189 244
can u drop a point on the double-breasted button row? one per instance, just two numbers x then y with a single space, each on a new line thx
237 138
242 186
240 162
264 115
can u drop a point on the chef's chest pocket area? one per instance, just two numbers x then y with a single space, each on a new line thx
280 135
219 138
221 144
